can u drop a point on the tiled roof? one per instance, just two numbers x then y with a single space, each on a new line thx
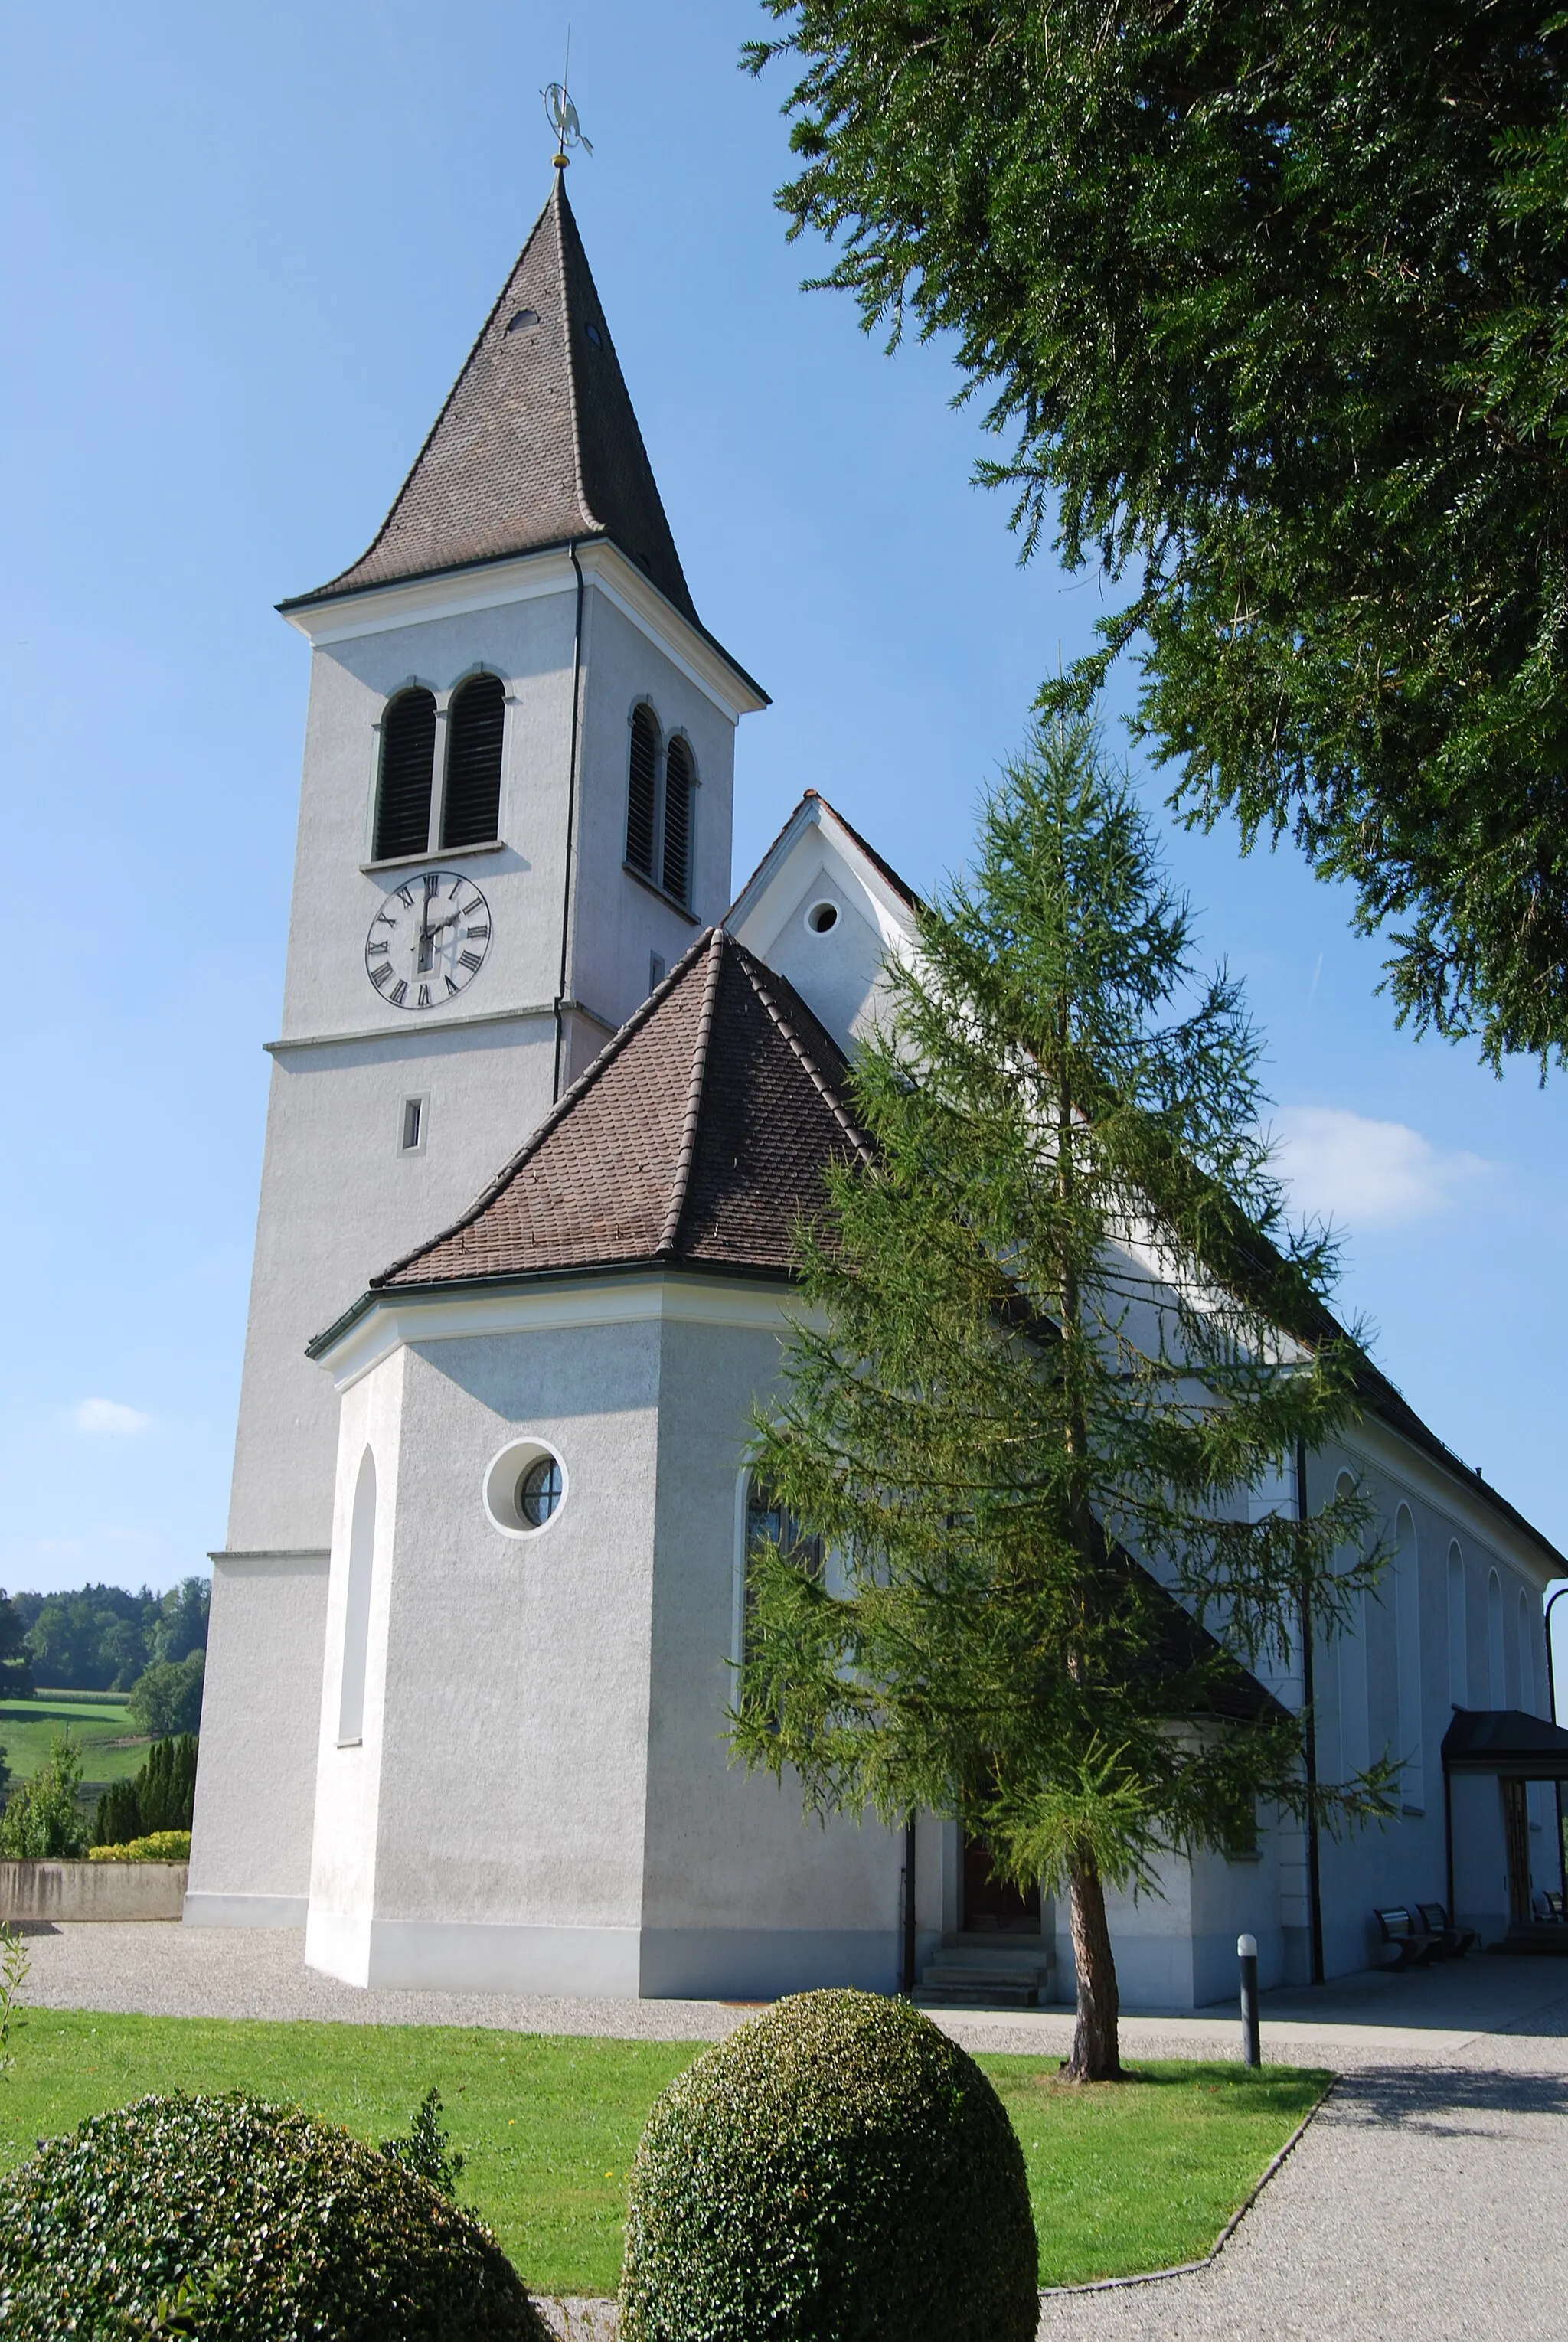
537 444
699 1134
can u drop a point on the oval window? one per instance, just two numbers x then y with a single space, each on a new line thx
822 918
539 1491
525 1488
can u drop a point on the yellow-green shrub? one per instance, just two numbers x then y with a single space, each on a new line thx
162 1846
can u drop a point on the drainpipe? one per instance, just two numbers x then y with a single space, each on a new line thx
907 1964
1552 1703
1313 1873
571 820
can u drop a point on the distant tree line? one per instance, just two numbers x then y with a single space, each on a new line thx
100 1638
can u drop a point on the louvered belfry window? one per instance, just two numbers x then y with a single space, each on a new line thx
407 767
641 789
677 819
471 814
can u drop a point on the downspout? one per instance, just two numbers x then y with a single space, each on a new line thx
571 819
1557 1785
907 1985
1313 1873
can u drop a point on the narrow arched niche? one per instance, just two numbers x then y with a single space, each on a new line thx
356 1606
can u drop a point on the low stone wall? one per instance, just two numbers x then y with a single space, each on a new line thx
92 1890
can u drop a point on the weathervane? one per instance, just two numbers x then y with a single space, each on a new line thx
562 114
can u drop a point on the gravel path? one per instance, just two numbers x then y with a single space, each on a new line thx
1429 2196
1428 2200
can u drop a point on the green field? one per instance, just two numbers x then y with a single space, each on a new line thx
1123 2179
28 1726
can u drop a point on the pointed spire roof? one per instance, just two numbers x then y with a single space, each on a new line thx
699 1136
537 444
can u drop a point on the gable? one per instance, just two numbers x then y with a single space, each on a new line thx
839 971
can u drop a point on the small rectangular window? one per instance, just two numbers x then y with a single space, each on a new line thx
656 971
411 1130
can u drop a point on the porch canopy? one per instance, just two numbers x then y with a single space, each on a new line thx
1507 1742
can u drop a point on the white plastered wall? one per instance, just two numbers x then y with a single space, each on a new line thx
543 1801
746 1895
339 1200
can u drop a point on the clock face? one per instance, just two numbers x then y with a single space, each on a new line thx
428 941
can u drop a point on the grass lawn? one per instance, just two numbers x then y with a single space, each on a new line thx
1123 2179
28 1726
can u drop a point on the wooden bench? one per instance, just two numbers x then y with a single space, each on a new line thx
1414 1945
1452 1942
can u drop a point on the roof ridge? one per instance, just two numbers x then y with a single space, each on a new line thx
572 358
683 1178
827 1090
591 1074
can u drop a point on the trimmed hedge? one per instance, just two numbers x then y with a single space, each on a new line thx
239 2221
162 1846
837 2170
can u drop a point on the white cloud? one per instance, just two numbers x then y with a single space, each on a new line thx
106 1418
1348 1168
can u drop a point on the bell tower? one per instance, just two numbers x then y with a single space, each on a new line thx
515 814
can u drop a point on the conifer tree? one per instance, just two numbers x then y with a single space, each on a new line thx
1057 1332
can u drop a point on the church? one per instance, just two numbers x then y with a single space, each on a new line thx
547 1098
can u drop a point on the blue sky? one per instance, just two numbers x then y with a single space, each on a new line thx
247 252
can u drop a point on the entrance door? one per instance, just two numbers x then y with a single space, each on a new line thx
991 1905
1516 1838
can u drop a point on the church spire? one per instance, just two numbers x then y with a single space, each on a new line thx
537 444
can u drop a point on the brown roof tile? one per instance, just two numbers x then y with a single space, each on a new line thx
537 443
699 1134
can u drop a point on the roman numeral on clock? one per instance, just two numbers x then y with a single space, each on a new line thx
477 935
375 951
398 994
470 960
424 1001
379 976
405 898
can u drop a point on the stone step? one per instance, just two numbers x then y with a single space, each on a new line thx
980 1984
945 1970
996 1992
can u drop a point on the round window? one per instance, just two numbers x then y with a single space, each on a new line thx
822 918
525 1488
539 1491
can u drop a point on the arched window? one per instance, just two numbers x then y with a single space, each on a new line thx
766 1522
1497 1684
1458 1632
1407 1636
408 769
642 788
356 1606
1355 1748
678 779
471 810
1526 1655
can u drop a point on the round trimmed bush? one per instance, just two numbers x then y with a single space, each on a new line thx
837 2170
243 2222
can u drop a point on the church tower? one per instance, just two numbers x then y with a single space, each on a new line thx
515 814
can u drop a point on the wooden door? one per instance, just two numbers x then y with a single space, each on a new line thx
991 1905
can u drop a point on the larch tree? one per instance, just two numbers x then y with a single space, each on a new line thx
1055 1333
1274 302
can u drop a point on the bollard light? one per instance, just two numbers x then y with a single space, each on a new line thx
1247 1954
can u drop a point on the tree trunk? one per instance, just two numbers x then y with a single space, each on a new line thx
1095 2055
